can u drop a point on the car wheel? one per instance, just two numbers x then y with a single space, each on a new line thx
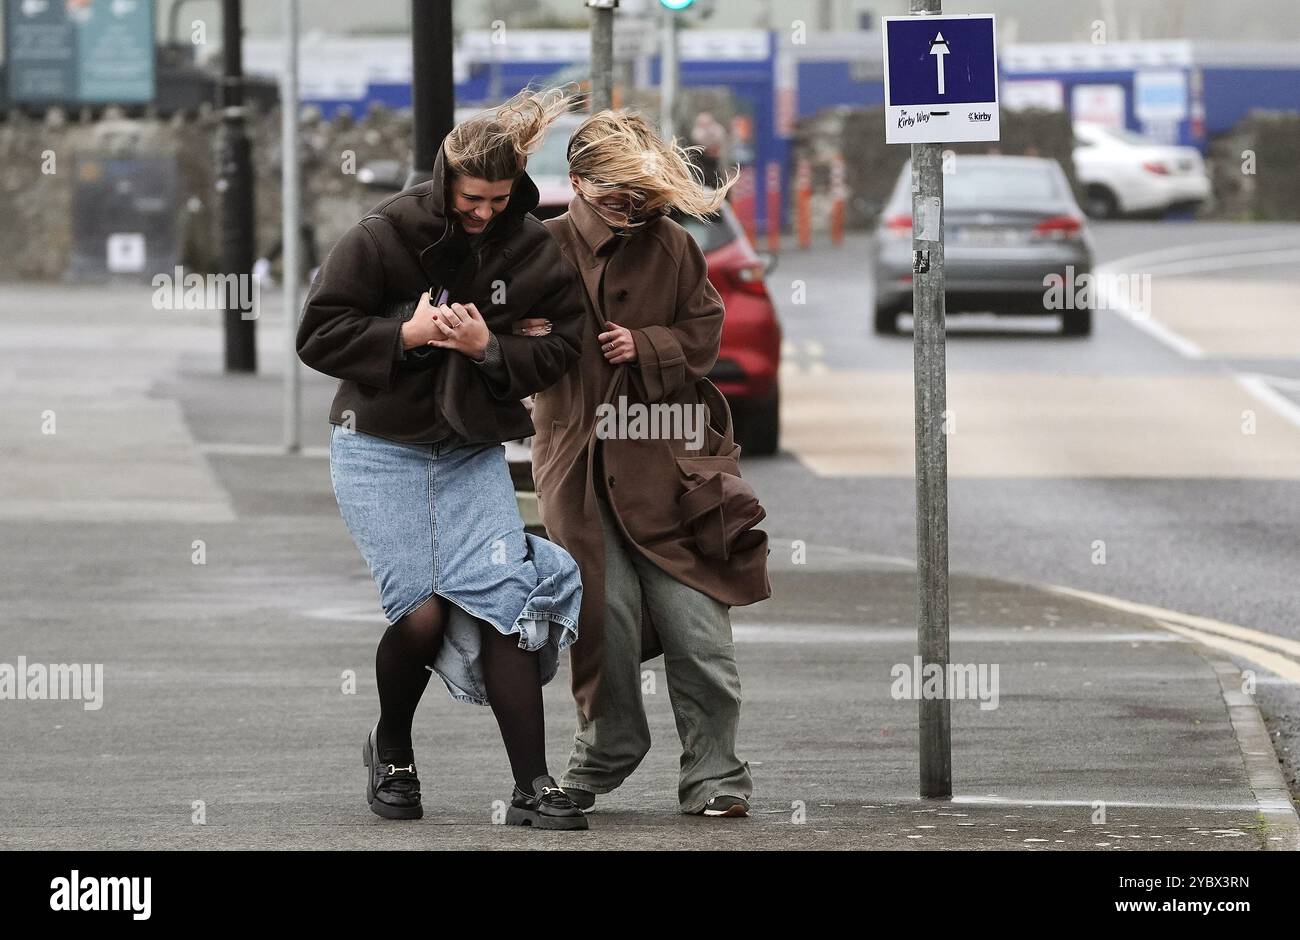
886 322
1076 323
758 426
1100 203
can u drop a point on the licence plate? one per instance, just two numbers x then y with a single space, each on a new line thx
983 237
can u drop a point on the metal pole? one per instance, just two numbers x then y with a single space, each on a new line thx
931 452
290 222
433 86
235 188
668 75
602 53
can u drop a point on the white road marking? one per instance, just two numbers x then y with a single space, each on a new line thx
346 614
1008 801
1154 328
236 449
1279 381
1225 262
805 358
1243 246
1207 256
861 633
1260 387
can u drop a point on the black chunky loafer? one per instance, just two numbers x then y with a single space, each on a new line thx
391 791
547 807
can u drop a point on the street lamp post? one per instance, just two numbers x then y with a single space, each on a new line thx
235 192
290 227
433 86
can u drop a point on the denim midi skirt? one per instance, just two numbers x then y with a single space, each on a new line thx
442 519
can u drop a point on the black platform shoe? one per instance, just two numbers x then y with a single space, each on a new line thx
392 792
547 807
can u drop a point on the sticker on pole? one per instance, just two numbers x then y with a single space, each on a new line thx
941 79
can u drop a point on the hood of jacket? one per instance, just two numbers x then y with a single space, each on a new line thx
422 216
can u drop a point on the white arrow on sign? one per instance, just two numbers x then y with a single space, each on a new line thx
939 49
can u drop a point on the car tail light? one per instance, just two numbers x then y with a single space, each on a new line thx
1059 228
749 278
899 226
1159 169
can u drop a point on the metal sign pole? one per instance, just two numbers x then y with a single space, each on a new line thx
928 346
668 75
290 223
602 54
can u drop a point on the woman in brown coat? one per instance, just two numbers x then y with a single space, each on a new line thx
638 476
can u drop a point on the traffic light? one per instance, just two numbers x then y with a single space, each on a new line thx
676 5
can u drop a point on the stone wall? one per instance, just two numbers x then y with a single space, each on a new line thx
36 239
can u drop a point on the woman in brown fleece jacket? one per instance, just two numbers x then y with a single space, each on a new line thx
426 397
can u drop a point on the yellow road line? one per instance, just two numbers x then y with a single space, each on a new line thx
1273 662
1192 621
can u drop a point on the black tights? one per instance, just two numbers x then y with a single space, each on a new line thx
514 688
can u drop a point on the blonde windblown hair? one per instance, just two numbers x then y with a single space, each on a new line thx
495 144
619 152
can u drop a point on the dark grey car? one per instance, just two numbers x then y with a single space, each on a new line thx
1010 223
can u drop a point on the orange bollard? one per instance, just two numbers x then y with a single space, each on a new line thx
838 195
774 207
803 203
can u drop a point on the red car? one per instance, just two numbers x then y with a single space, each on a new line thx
746 370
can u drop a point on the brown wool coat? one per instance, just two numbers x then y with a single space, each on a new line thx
687 511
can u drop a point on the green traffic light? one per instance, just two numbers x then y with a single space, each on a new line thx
676 5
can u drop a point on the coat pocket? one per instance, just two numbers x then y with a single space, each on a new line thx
718 508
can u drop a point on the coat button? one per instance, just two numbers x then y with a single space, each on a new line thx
621 295
610 481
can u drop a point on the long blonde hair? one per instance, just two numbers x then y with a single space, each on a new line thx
495 144
615 151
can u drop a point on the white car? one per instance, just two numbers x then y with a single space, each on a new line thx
1122 173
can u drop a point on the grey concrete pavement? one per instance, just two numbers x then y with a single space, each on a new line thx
1195 536
246 682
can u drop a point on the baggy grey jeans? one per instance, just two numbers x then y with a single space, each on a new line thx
703 683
